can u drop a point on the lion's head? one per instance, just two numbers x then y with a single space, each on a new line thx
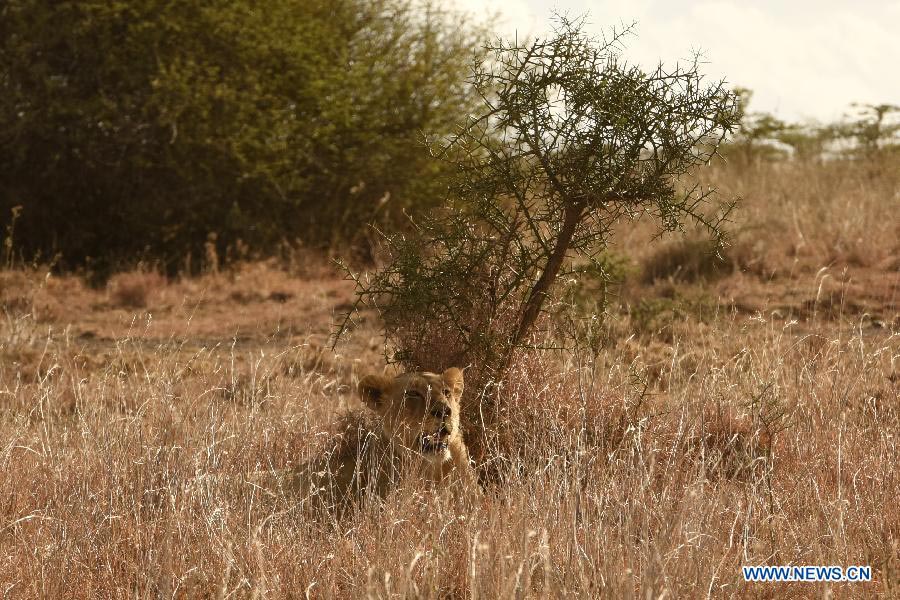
418 419
420 410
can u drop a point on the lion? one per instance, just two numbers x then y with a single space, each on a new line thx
412 429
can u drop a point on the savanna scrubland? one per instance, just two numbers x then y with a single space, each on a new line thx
162 325
736 413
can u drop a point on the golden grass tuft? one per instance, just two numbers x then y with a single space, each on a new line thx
134 289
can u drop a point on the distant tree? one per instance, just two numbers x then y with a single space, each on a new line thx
762 136
874 127
569 141
758 133
808 142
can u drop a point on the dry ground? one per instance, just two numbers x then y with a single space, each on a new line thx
744 413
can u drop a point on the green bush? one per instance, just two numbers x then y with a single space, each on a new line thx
134 130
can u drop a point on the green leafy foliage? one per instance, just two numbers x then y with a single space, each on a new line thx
135 129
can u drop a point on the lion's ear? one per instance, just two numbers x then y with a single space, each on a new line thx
373 389
453 377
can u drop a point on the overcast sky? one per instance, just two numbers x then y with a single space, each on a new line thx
802 58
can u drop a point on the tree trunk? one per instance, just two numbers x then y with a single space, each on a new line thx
539 291
486 412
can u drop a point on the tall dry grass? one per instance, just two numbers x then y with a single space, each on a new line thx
708 435
791 217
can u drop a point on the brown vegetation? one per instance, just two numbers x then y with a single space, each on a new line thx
748 416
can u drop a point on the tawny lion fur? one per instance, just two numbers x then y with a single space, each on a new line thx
415 431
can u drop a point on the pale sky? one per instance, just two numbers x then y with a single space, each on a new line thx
803 59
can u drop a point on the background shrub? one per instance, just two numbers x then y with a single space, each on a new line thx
133 130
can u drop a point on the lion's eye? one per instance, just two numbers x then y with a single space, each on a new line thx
415 396
447 392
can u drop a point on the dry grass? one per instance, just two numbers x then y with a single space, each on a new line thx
749 418
133 290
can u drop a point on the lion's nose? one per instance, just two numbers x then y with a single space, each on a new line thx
441 412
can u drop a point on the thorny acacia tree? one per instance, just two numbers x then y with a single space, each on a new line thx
570 141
